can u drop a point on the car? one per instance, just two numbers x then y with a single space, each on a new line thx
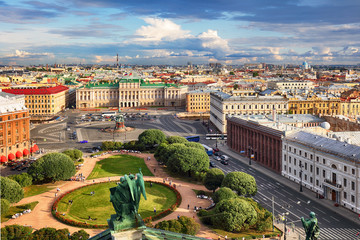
217 158
68 129
216 149
224 162
212 164
83 141
224 157
217 154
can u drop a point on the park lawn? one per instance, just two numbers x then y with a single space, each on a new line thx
99 207
33 190
119 165
18 209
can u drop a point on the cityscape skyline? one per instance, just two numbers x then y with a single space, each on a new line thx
231 32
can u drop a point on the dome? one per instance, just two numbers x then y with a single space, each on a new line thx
325 125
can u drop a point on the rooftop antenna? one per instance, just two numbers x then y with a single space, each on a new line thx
117 61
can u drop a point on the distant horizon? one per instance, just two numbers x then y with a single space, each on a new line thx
321 32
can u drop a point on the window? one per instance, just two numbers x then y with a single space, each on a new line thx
311 156
290 170
295 161
289 159
305 177
305 166
295 150
352 185
345 195
300 152
311 168
317 159
345 168
317 171
284 167
305 154
284 157
311 180
294 172
353 171
317 182
345 182
324 161
352 198
324 173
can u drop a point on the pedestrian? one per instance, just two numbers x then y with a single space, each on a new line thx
225 236
93 180
150 184
109 179
154 210
178 217
359 216
55 194
164 180
188 206
154 170
58 189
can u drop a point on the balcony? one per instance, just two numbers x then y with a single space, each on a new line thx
332 185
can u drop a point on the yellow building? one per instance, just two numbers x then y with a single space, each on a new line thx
314 105
350 103
198 101
43 103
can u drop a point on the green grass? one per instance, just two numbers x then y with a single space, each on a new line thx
33 190
119 165
100 208
18 209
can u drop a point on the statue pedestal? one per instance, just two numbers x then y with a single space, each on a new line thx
127 228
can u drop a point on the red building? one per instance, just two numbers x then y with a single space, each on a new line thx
262 144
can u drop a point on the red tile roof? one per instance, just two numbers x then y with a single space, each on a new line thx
37 91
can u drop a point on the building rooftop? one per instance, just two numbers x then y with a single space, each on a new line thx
344 150
37 91
10 104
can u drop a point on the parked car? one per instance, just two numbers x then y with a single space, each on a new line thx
212 164
217 158
224 162
216 153
224 157
216 150
83 141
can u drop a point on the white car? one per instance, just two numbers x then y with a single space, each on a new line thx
217 158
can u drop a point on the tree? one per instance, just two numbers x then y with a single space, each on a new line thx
107 145
50 234
160 151
52 167
213 179
4 207
234 215
15 232
255 74
169 151
11 190
23 179
183 225
236 86
152 137
243 183
70 153
176 139
264 217
195 145
187 160
223 193
79 235
77 154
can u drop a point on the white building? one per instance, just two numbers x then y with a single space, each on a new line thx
223 105
323 165
291 85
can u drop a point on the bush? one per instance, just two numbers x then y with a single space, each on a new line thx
5 206
79 235
151 137
23 179
11 190
183 225
52 167
176 139
50 233
74 154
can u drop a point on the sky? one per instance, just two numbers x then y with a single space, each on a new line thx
176 32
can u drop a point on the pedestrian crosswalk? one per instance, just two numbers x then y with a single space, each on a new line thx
335 233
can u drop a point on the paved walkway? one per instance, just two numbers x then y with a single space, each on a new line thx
41 216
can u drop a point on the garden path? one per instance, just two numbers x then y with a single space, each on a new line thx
41 215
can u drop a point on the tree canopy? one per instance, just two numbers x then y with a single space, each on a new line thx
5 206
213 178
223 193
152 137
234 215
15 232
10 190
187 159
243 183
176 139
52 167
23 179
74 154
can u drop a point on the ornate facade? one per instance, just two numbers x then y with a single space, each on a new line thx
130 93
314 104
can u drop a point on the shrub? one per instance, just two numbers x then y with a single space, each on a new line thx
23 179
15 232
183 225
11 190
223 193
5 206
201 192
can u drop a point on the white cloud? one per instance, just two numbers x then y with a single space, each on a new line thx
25 54
212 41
160 29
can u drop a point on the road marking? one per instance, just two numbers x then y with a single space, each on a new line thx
280 193
334 218
319 210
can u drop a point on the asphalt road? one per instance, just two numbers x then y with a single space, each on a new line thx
333 226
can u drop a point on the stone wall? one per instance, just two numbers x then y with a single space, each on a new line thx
341 125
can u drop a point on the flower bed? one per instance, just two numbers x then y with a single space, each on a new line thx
63 219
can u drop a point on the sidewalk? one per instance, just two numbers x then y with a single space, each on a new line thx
306 192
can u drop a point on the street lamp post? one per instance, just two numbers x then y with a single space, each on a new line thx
285 219
301 171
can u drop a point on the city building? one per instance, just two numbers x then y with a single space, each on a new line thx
259 137
43 103
198 101
314 104
130 92
291 85
350 103
223 105
326 166
14 127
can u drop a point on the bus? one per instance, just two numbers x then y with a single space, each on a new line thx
108 114
193 138
214 136
208 150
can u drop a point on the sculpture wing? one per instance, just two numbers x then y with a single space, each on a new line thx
141 184
131 185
